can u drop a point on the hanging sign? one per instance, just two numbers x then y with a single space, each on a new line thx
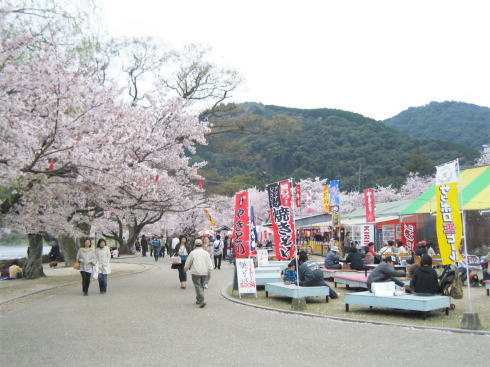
367 234
241 227
409 236
280 202
369 202
262 258
309 202
326 199
245 272
210 218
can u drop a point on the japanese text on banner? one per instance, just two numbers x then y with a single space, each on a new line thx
241 227
280 202
326 199
369 202
448 222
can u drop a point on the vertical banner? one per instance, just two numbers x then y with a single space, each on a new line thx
298 195
262 258
309 202
334 188
409 236
280 202
367 233
448 222
326 199
246 276
241 227
369 201
253 233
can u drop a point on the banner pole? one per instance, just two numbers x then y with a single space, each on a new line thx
296 240
469 301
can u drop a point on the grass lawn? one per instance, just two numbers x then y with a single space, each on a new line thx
336 308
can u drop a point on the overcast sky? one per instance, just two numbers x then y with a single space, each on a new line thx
374 57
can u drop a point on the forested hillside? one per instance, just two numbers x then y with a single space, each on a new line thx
278 142
457 122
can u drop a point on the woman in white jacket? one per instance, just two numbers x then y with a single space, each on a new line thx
86 258
102 258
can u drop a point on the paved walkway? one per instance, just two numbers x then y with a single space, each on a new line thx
147 320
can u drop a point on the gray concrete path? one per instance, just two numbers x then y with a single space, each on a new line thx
147 320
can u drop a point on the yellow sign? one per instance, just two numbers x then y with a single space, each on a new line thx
326 199
211 220
448 222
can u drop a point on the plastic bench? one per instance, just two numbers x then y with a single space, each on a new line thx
293 291
281 264
264 278
487 286
268 269
411 302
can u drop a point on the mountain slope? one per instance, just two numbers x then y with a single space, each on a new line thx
327 143
457 122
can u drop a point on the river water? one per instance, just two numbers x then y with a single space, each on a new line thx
17 251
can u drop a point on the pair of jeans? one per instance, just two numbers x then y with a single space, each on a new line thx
103 283
198 281
217 261
182 272
156 252
85 281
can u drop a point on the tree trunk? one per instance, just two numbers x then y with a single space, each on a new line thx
34 264
134 232
69 247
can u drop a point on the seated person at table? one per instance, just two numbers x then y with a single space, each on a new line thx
401 249
388 248
424 279
310 274
355 259
15 271
368 257
385 272
290 275
332 259
421 249
430 249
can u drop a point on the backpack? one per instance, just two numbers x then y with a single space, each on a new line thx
217 246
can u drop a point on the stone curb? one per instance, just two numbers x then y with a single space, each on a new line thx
71 283
461 331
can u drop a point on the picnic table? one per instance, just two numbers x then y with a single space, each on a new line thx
268 269
410 302
358 279
294 291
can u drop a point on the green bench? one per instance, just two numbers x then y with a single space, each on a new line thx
262 279
410 302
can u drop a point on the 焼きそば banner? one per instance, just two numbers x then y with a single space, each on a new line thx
241 226
448 222
282 218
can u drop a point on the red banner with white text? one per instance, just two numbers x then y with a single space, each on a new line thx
280 202
298 195
369 202
241 226
409 236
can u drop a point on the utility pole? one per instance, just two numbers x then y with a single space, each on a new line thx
359 182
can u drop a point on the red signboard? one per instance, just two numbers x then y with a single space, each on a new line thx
369 201
409 236
241 227
280 202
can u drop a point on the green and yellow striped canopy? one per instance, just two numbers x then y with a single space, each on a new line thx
475 185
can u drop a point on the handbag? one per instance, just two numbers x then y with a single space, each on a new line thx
174 266
76 266
95 272
175 260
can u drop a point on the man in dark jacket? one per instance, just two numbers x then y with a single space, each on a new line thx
332 259
385 272
424 280
310 274
355 258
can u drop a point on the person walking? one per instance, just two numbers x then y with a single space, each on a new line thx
218 252
155 246
208 247
86 258
182 250
144 245
199 264
102 258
